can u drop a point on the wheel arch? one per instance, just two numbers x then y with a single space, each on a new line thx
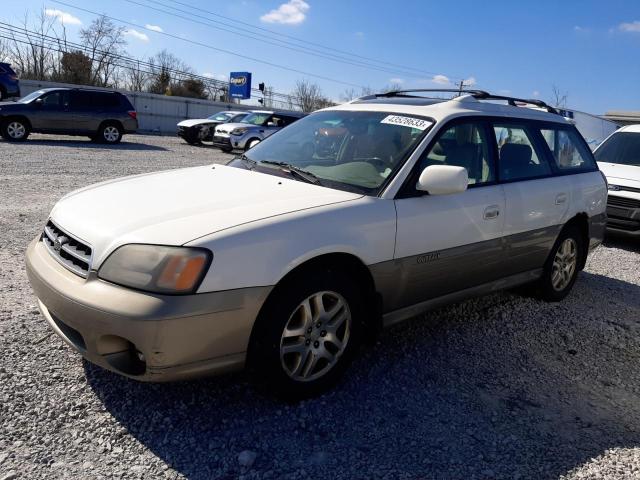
346 263
248 142
581 222
16 116
110 121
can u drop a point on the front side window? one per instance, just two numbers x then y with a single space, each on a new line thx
569 153
518 158
463 145
220 117
622 148
348 150
257 118
52 101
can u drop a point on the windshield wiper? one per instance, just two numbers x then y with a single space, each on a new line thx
295 171
252 163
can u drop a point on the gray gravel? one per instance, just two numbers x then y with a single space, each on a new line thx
499 387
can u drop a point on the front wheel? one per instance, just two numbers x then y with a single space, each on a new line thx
110 133
252 143
15 130
307 334
562 266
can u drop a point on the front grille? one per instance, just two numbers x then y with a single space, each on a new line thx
622 188
72 253
623 202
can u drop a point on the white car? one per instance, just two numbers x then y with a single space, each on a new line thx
289 257
195 131
619 159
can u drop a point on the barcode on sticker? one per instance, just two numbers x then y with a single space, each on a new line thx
410 122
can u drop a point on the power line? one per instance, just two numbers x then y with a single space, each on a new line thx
193 42
278 34
272 41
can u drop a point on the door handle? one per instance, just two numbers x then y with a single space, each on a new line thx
561 198
491 212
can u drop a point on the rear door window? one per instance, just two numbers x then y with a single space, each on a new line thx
568 152
81 100
104 100
518 156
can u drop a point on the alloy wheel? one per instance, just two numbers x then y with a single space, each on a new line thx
564 264
111 134
16 130
315 336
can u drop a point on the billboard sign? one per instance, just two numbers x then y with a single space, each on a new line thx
240 85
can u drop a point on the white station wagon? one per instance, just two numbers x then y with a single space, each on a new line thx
352 218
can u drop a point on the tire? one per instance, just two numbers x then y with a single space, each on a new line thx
15 130
109 133
226 149
252 143
562 267
298 350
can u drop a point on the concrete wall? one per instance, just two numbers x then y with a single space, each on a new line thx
156 113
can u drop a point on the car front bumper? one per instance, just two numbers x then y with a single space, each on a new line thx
623 215
141 335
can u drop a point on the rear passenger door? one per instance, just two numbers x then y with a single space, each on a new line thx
537 200
82 110
446 243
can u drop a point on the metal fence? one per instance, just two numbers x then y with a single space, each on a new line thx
157 114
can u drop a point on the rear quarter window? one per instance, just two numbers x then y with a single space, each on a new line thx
568 151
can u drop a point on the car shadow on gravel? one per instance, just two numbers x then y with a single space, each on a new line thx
123 145
497 387
626 242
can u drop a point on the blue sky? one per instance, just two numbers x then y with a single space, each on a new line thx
589 49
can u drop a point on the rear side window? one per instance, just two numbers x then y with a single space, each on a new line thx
81 100
568 152
622 148
463 145
518 157
105 100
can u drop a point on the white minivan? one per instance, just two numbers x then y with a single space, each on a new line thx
351 219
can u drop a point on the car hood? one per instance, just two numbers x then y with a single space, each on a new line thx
177 206
228 127
615 171
198 121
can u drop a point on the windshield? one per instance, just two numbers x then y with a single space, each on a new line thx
256 118
220 117
31 96
355 151
622 148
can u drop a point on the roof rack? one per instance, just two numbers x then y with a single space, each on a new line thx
477 94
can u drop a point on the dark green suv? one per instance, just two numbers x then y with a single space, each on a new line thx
102 115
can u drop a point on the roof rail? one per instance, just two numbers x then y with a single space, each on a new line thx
477 94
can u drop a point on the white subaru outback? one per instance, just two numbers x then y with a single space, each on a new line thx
353 218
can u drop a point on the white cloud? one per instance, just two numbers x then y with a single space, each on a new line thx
535 93
137 35
155 28
630 27
396 80
216 76
441 80
469 82
63 17
291 13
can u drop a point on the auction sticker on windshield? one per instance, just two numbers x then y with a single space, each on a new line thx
410 122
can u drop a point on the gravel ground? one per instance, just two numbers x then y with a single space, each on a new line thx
499 387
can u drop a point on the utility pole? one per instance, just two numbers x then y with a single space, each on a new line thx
462 85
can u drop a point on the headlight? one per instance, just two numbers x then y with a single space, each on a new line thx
239 131
157 269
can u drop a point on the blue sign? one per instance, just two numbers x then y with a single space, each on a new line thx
240 85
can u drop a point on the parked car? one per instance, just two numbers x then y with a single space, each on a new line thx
195 131
9 83
619 159
102 115
254 128
285 261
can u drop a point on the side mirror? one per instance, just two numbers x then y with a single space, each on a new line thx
272 124
443 180
38 102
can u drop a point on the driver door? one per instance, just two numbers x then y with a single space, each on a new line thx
52 114
447 243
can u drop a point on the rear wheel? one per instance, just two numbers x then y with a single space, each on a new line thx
562 266
307 334
15 130
110 133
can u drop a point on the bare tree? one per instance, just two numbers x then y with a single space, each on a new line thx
309 96
135 78
559 98
105 43
33 59
167 71
4 50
